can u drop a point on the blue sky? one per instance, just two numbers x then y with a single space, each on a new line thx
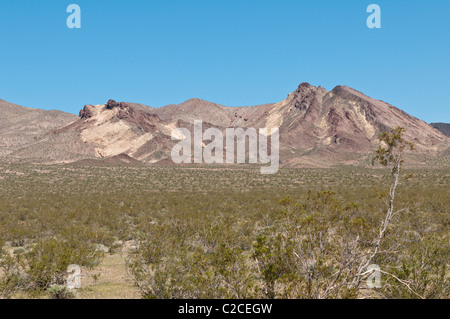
230 52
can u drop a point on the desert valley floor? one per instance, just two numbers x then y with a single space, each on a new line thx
188 220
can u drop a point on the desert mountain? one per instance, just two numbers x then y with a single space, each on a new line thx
317 128
443 127
21 127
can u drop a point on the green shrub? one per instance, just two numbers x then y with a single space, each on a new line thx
48 261
12 278
19 251
60 292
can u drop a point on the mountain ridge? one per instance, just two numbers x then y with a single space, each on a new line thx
317 127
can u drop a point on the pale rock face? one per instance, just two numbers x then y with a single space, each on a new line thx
111 137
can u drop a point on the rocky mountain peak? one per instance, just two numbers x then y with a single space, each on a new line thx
305 96
111 104
87 112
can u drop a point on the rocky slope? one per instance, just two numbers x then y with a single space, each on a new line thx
443 127
21 127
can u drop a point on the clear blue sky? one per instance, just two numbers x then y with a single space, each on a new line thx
232 52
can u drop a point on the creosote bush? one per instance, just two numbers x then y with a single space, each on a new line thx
60 292
45 265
